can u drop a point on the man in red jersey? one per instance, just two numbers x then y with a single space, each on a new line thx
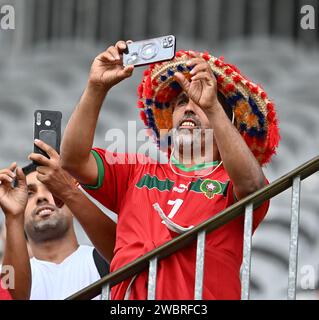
190 95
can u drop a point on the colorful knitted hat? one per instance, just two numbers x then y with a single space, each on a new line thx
254 113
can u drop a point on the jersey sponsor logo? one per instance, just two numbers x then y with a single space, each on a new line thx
153 182
181 188
209 187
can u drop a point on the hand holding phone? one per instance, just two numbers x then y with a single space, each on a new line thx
107 69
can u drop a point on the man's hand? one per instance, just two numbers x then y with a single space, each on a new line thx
107 69
13 200
51 174
202 88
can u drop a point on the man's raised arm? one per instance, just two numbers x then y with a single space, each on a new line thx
107 70
13 202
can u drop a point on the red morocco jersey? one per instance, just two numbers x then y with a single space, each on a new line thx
131 189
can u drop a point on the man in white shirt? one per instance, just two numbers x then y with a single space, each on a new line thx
60 266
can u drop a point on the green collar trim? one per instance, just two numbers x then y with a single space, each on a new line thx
196 167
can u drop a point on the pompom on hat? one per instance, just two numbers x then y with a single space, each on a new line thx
254 112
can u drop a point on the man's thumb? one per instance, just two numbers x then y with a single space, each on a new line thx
127 71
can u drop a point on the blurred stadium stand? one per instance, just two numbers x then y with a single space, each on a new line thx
210 21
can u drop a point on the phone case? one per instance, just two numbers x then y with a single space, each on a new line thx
47 127
149 51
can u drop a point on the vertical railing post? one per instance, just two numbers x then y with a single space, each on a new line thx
152 276
105 295
245 276
294 231
199 271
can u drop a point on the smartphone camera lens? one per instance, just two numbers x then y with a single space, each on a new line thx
149 51
38 118
168 42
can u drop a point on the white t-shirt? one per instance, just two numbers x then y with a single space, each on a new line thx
51 281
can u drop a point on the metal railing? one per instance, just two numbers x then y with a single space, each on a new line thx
292 179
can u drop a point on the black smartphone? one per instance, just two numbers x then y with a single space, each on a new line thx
47 127
149 51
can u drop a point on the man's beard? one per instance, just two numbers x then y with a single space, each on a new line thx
52 228
189 144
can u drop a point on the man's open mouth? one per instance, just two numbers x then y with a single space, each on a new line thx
45 211
188 124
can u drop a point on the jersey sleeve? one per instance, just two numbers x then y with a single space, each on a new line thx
259 212
4 294
114 173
